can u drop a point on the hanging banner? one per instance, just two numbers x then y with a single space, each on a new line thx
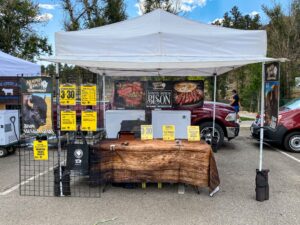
37 113
129 94
168 132
88 121
272 85
88 95
272 71
36 85
146 132
37 105
193 133
159 95
40 150
68 120
67 94
188 93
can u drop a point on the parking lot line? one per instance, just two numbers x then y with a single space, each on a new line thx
288 155
25 182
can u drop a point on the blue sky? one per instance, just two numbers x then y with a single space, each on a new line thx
201 10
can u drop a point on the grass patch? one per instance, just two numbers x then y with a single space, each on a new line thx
246 119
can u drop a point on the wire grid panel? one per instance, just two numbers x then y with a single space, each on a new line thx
45 178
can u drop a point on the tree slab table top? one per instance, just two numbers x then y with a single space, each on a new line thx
154 161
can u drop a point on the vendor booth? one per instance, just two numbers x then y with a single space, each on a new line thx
155 45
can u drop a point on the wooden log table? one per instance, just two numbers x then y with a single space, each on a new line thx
154 161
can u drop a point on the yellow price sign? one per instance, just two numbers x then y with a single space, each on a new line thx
146 132
88 94
67 94
88 121
40 150
168 132
193 133
68 121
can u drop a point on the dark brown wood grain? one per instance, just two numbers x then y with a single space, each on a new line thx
156 161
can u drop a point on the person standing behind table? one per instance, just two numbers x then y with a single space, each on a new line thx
235 103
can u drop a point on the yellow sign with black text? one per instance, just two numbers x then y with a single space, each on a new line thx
40 150
146 132
68 120
88 95
193 133
168 132
88 121
67 94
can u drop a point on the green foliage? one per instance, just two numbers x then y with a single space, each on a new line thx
167 5
114 11
246 79
84 14
17 37
284 42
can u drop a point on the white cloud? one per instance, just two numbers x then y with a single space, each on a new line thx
182 5
253 13
44 17
220 20
48 6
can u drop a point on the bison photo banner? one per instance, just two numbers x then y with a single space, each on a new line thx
37 105
37 113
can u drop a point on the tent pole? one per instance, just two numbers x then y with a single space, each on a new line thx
103 99
58 133
214 107
262 117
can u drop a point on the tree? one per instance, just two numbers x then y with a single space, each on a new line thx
172 6
114 11
84 14
246 79
17 36
284 42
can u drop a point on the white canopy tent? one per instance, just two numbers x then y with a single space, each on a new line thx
12 66
162 44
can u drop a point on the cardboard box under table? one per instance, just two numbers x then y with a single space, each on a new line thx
154 161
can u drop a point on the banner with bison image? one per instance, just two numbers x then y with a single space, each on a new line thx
37 105
158 94
272 85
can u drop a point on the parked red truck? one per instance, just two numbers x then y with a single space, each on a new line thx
287 132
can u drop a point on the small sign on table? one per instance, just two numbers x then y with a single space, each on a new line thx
168 132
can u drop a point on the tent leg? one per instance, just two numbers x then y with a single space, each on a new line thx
213 138
58 134
262 118
103 100
261 180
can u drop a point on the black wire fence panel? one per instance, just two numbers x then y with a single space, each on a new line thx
46 178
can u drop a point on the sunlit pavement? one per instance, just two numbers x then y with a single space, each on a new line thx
234 204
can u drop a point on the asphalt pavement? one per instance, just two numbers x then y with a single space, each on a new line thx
234 204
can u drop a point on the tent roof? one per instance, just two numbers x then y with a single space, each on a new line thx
160 43
12 66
